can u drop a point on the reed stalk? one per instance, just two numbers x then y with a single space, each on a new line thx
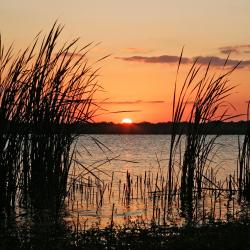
203 96
44 92
244 163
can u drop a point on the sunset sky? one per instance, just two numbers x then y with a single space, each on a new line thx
144 38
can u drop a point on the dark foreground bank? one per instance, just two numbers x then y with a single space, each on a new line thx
233 235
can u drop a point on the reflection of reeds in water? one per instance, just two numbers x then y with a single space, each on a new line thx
43 92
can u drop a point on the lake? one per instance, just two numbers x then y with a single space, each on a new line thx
117 177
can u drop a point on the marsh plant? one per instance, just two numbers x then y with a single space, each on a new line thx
45 90
244 163
200 100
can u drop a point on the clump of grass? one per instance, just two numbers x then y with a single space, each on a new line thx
12 109
60 94
244 163
44 91
203 96
130 236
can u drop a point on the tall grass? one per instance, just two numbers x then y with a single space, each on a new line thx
244 163
45 90
202 98
12 96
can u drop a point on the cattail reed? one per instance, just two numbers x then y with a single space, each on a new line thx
208 94
244 162
44 92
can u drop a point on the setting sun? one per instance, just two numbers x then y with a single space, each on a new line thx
126 121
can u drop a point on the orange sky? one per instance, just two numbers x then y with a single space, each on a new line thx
144 37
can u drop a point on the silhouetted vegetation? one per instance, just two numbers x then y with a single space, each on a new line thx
233 235
244 163
207 95
42 89
46 102
213 127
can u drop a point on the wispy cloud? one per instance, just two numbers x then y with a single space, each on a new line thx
70 54
238 49
154 59
133 102
169 59
125 111
219 61
137 50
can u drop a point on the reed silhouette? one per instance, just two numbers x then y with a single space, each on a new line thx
202 99
46 91
45 88
244 163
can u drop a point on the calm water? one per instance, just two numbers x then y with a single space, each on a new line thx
101 171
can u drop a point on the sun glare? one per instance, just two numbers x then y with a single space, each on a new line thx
126 121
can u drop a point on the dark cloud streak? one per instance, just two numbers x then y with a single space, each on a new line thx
125 111
245 49
203 60
154 59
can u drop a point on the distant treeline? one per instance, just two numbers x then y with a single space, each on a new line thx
158 128
135 128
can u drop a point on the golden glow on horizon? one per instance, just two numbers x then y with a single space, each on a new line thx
126 121
144 87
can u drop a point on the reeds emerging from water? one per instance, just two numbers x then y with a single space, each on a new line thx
189 187
141 198
203 97
244 163
44 90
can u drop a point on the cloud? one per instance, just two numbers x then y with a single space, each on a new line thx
133 102
169 59
70 54
216 61
137 50
125 111
238 49
154 59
